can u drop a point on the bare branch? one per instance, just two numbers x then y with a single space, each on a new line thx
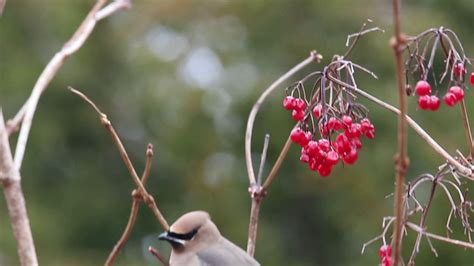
2 6
460 243
147 198
72 46
158 255
133 211
10 177
126 233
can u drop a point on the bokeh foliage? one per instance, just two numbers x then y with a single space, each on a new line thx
183 75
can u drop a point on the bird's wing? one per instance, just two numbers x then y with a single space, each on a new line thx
224 253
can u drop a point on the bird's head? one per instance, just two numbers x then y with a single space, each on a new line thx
191 232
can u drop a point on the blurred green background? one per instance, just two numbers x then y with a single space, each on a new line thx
183 75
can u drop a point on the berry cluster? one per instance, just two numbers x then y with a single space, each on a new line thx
426 101
321 154
297 107
385 254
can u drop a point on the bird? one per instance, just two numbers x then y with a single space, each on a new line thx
196 241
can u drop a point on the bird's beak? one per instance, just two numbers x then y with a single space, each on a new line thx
173 240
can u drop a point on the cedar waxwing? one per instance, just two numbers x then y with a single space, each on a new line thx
195 240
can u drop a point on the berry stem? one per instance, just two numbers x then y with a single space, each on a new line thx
465 171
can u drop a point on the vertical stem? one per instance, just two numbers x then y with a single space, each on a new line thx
402 159
20 222
11 181
254 213
467 129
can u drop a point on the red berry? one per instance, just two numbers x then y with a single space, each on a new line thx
312 149
313 164
300 104
471 79
370 134
332 158
367 128
385 251
366 125
356 143
459 69
387 261
321 156
354 130
342 144
297 115
304 156
434 102
335 124
324 145
324 170
458 92
317 111
289 103
422 88
307 136
350 157
347 120
424 102
296 135
450 99
323 129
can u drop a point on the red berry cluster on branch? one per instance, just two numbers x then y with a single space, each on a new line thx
421 67
297 107
322 154
385 254
330 120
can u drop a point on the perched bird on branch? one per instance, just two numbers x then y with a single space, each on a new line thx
195 240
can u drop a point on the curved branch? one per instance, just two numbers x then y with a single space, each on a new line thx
256 107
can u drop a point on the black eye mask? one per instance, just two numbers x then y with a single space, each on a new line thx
187 236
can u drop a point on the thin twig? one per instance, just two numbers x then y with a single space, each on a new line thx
263 158
147 198
72 46
133 210
126 233
277 164
11 182
14 124
158 255
460 243
426 209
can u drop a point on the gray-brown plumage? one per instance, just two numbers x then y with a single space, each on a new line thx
196 241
